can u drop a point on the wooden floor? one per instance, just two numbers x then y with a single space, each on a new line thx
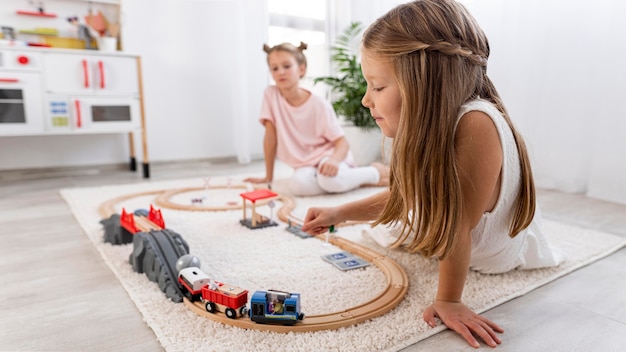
57 294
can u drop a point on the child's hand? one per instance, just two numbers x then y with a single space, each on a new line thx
318 220
464 321
329 168
256 180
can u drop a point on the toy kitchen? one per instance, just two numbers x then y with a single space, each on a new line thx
60 91
50 86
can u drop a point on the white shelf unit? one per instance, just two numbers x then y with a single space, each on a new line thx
70 92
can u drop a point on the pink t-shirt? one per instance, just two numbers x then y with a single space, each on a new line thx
305 133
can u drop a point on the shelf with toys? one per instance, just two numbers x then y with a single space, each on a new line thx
36 13
68 24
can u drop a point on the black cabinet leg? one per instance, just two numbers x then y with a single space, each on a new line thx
146 170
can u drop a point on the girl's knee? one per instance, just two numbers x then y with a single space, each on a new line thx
334 184
300 188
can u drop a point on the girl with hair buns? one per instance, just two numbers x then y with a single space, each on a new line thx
461 188
301 129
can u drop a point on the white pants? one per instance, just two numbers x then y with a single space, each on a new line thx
306 181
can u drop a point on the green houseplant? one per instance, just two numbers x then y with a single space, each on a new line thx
348 86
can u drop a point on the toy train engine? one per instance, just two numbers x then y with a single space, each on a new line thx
216 296
275 307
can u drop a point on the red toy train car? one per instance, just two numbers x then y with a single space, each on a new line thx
216 296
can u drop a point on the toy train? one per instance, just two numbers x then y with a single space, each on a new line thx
267 307
275 307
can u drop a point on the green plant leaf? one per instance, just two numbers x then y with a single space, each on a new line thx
348 85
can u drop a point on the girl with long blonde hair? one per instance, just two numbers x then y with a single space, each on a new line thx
461 188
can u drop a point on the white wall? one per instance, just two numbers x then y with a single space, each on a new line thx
347 11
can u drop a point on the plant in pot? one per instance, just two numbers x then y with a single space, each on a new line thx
347 89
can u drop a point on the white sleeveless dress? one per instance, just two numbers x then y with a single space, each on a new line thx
493 250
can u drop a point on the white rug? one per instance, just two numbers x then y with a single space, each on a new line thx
272 258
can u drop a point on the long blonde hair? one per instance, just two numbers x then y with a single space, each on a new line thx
439 54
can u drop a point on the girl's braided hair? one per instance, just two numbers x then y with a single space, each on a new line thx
439 55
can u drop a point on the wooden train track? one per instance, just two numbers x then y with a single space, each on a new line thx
389 298
395 290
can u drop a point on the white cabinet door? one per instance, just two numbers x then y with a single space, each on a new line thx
115 76
21 110
78 74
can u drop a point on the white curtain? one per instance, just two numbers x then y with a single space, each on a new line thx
204 74
559 66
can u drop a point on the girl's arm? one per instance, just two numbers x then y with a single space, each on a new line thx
269 151
479 160
318 220
331 166
341 149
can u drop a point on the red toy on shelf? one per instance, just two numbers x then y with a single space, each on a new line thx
36 13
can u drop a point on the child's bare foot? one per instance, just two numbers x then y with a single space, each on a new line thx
383 172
